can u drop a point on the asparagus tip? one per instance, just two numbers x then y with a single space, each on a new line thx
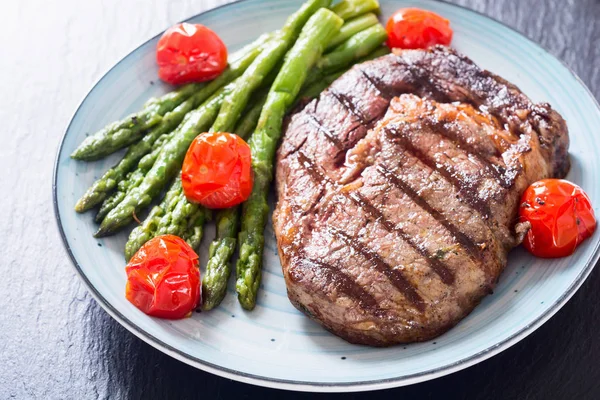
247 302
82 155
206 306
128 256
76 155
80 206
246 305
103 231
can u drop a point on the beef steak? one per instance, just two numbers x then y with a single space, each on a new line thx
398 192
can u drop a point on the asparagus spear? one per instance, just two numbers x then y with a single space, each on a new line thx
185 219
178 214
131 129
133 179
195 228
348 9
166 165
352 27
361 44
378 52
148 160
349 52
248 122
176 219
218 269
175 215
122 133
315 36
159 222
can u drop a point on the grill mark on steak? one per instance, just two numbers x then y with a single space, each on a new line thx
312 169
472 248
436 265
383 90
314 121
350 106
315 174
442 128
477 87
341 281
395 276
466 189
420 79
299 145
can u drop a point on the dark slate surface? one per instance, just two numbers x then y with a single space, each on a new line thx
56 342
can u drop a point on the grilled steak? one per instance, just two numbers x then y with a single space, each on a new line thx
398 192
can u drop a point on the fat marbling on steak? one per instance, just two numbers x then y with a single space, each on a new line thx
398 193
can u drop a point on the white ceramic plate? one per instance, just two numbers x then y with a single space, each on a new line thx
275 345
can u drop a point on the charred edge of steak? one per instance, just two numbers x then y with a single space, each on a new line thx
443 75
505 101
359 337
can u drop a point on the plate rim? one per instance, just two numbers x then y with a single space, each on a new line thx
308 386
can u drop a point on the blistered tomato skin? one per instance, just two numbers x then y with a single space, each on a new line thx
217 170
414 28
561 217
163 279
190 53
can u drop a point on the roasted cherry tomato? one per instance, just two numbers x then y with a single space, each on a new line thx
163 279
413 28
190 53
217 170
561 217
